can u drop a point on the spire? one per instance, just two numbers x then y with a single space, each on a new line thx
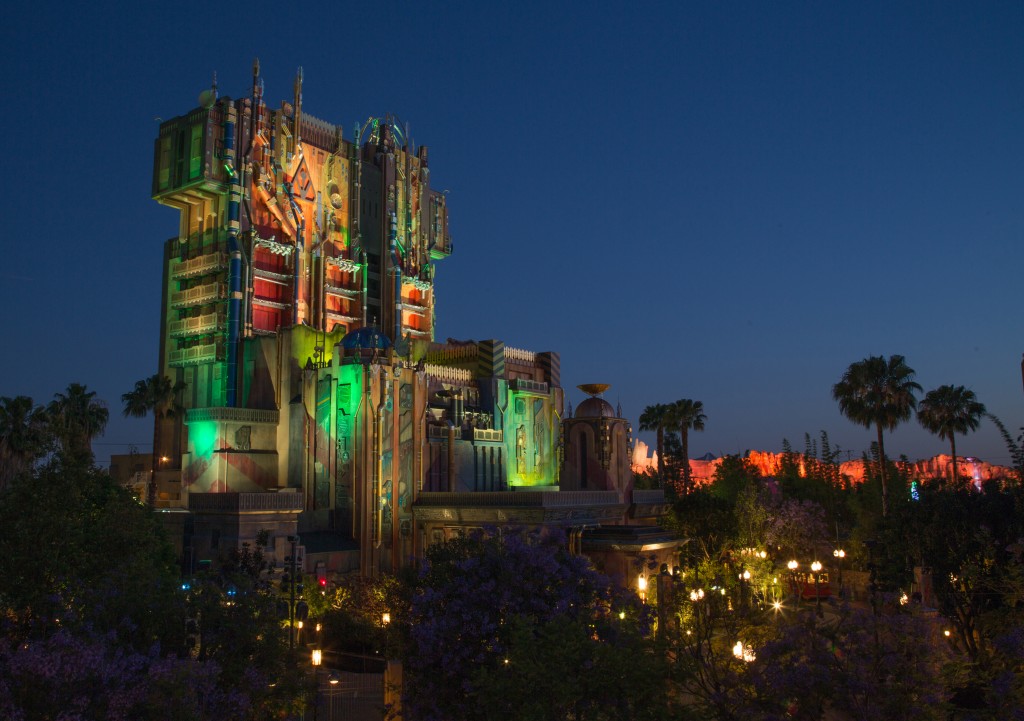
298 105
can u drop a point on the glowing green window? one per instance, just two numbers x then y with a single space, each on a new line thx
195 162
165 162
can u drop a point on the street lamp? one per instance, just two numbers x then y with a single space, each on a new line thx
840 554
816 568
792 566
744 587
641 584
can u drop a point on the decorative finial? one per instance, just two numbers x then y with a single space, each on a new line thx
594 389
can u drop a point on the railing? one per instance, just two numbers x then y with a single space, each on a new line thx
199 294
259 270
453 353
196 354
446 374
525 384
198 265
340 315
649 496
522 356
338 290
488 434
269 302
442 432
199 324
235 502
239 415
417 283
521 499
343 264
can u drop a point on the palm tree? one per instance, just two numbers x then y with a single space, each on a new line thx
77 417
949 410
159 395
878 392
689 416
656 418
24 436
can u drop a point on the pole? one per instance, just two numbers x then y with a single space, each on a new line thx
291 594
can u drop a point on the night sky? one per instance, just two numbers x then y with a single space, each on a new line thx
729 202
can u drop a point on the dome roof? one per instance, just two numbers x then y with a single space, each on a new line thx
367 337
594 407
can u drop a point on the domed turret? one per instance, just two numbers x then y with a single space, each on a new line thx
365 338
594 407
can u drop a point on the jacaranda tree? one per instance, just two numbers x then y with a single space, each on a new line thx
511 625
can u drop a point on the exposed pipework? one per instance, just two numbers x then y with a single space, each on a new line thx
378 466
396 259
451 457
362 257
235 265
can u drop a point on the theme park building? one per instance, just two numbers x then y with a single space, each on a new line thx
298 317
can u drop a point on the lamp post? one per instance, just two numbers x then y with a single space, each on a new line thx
816 568
792 566
840 554
641 585
316 657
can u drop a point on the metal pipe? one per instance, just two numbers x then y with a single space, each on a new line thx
396 276
378 465
363 262
235 265
451 457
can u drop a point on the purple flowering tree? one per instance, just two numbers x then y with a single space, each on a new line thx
511 625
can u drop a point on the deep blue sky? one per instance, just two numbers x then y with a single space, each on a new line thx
729 202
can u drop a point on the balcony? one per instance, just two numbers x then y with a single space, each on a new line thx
244 502
343 264
340 315
417 283
442 432
200 265
209 293
269 303
566 508
524 384
194 355
343 292
488 434
208 323
237 415
271 274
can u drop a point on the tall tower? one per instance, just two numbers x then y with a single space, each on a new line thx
289 237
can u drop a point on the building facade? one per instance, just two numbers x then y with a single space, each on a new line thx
299 315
